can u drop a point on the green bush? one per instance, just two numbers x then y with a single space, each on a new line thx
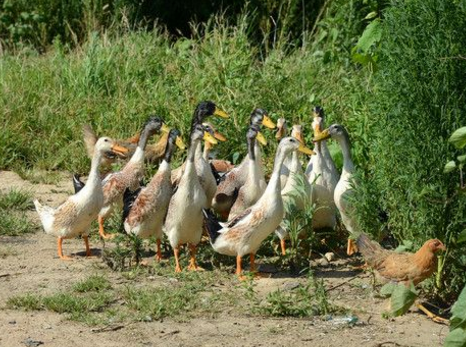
418 100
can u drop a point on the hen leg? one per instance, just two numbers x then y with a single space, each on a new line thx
60 249
102 231
351 248
432 316
192 261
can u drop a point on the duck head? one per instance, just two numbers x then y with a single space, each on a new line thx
260 117
297 133
335 131
281 128
290 144
106 145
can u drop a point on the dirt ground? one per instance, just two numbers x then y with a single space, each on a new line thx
30 264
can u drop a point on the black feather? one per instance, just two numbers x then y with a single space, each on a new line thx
216 174
77 183
128 200
211 224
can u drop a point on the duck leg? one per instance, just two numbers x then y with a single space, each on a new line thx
283 246
176 250
352 247
158 257
102 231
86 242
432 316
239 268
192 261
60 250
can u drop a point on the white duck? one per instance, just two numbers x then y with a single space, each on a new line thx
255 184
344 188
245 233
75 215
323 176
184 217
297 189
115 184
144 211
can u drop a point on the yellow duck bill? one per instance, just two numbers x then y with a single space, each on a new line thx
180 144
220 113
119 149
260 137
305 150
266 121
209 138
323 135
165 128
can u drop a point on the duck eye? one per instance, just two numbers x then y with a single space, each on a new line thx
106 140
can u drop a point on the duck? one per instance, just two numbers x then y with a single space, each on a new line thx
282 129
297 189
75 215
144 210
153 152
183 223
244 234
227 189
115 184
254 185
344 191
323 176
218 166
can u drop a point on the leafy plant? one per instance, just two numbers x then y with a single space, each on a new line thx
457 335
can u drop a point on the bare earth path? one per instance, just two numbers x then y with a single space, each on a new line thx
28 264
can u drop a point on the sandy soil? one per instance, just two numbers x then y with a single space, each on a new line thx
30 264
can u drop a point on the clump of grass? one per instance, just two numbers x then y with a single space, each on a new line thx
27 302
16 199
304 301
94 283
15 224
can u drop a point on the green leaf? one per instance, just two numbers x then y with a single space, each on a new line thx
459 311
371 15
456 338
406 246
449 167
458 138
461 237
371 35
461 158
402 299
387 289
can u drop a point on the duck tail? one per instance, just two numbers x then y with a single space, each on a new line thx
77 183
211 224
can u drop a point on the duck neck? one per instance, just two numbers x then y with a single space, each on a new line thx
274 186
207 147
295 165
253 169
94 175
348 166
143 139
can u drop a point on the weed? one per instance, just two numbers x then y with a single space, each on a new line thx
15 224
16 200
95 283
27 302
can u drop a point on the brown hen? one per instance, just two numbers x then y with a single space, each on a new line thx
401 267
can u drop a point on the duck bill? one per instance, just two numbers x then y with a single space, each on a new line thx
260 137
179 143
322 135
219 136
220 113
305 150
268 122
117 149
165 129
209 138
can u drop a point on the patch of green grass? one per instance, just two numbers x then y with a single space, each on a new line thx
94 283
16 200
27 302
15 224
304 301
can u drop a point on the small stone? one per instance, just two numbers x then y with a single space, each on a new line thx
290 285
12 322
32 343
330 256
323 262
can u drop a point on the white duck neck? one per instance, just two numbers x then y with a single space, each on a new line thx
94 175
344 142
138 155
274 186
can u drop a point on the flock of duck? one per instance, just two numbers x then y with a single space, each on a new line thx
183 202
